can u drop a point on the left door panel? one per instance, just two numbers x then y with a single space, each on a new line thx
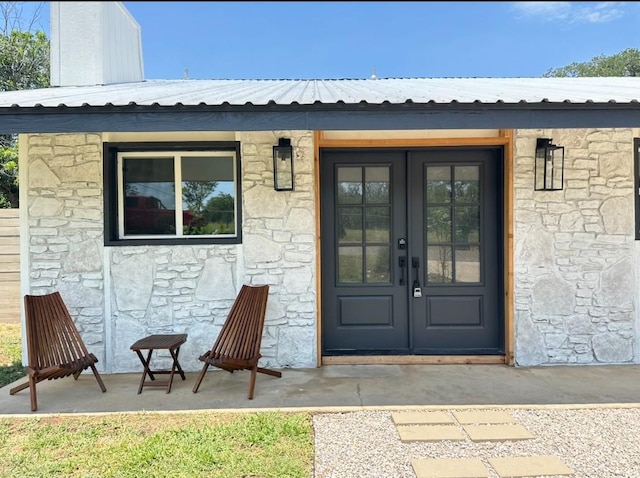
364 255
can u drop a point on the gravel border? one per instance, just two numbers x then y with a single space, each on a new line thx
594 442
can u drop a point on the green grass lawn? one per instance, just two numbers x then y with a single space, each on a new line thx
10 354
203 444
197 444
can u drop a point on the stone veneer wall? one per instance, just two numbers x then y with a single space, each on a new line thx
120 294
574 255
574 262
66 228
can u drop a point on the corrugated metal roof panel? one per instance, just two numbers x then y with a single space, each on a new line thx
348 91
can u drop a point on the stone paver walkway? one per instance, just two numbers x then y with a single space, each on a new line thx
478 426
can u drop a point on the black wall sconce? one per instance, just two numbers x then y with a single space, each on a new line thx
549 166
283 165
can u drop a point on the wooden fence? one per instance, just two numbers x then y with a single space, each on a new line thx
10 265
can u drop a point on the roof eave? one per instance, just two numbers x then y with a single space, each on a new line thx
406 116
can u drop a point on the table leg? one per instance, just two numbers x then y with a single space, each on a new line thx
147 369
149 372
176 365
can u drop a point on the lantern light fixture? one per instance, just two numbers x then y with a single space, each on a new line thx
549 166
283 165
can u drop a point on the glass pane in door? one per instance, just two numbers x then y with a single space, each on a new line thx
350 186
452 224
377 185
363 210
378 265
467 264
350 262
439 265
438 184
378 224
350 225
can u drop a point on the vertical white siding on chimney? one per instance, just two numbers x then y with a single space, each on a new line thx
94 43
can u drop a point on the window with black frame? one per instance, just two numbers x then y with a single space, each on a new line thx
173 195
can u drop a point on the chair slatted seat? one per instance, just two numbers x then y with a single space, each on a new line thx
54 345
237 346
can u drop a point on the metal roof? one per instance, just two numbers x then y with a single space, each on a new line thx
334 92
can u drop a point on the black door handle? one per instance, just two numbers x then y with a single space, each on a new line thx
415 263
402 262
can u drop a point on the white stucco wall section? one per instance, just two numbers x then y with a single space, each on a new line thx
575 256
117 295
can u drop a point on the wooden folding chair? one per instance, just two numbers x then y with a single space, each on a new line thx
54 345
237 346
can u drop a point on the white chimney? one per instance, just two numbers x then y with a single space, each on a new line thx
94 43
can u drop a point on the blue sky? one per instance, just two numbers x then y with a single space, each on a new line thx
397 39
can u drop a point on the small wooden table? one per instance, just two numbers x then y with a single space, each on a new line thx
171 343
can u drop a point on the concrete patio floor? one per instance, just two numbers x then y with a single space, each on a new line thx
341 388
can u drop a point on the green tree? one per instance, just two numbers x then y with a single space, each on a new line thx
24 60
220 209
24 64
625 63
8 172
194 194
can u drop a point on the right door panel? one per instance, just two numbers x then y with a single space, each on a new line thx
455 212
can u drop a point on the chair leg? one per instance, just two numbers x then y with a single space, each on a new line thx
200 377
98 378
32 393
31 385
17 388
267 371
252 381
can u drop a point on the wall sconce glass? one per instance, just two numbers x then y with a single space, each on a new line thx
549 166
283 165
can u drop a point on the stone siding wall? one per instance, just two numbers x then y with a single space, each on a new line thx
574 252
575 265
120 294
190 289
66 228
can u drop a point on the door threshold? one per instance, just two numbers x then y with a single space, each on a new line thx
413 359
